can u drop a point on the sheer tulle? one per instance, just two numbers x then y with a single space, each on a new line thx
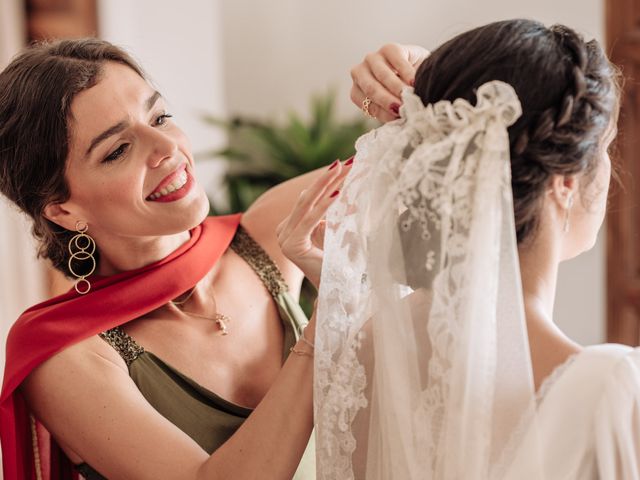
422 358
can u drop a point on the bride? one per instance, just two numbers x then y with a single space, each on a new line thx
436 353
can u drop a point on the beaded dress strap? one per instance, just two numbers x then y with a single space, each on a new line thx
260 261
122 343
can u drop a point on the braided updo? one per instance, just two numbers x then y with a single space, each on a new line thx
567 87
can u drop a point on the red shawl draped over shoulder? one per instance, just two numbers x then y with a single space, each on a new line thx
49 327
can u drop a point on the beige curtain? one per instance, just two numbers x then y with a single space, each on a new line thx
21 275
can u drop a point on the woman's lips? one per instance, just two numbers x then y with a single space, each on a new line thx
166 183
173 187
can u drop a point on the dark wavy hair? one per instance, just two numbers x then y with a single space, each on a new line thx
568 89
36 91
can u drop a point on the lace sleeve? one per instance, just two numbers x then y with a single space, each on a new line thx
617 421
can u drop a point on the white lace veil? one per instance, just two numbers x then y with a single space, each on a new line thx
422 366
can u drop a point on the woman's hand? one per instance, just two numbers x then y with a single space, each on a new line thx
381 77
301 234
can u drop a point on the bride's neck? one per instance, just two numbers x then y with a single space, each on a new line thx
549 346
539 270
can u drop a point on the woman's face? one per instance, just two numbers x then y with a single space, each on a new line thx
130 168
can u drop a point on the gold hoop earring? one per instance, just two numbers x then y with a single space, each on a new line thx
566 215
81 248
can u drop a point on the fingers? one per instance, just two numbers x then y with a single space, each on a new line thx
379 68
375 109
316 213
369 86
308 198
301 234
382 76
404 59
395 59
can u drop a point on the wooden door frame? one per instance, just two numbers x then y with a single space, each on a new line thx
622 19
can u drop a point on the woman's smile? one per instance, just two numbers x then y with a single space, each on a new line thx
174 187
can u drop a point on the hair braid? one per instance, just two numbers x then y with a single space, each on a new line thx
567 88
561 140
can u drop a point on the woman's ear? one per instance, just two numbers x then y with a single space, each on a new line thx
58 214
563 190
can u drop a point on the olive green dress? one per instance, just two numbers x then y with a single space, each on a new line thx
207 418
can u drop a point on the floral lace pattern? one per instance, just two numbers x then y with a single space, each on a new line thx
417 186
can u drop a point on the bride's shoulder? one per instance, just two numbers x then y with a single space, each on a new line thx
611 351
620 366
616 418
612 356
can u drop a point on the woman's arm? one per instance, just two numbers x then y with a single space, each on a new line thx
85 397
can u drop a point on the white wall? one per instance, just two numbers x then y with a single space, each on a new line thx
276 54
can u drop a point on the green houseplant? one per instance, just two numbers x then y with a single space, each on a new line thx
264 153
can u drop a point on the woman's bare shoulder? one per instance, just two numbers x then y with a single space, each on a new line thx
85 397
90 354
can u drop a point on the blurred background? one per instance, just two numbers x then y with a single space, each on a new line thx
235 70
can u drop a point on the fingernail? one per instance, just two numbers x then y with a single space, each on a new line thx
412 83
348 162
334 194
395 108
334 164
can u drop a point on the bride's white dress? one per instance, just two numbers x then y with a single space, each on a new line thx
588 418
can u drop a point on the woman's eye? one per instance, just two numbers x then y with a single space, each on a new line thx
162 119
117 153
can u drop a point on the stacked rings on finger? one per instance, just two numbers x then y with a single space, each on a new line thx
365 107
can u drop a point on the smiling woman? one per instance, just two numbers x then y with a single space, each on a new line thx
173 359
123 149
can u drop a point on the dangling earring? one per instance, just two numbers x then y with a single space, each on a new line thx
82 247
566 216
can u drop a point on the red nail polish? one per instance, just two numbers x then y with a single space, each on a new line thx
334 164
395 108
412 83
334 194
348 162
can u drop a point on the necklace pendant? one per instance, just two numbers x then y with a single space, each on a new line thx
221 320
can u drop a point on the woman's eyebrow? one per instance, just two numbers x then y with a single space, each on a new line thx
122 125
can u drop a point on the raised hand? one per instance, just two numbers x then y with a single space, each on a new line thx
301 234
381 76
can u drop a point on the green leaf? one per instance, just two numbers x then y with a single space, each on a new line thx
263 153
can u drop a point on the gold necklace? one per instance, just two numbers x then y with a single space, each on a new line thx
220 319
182 302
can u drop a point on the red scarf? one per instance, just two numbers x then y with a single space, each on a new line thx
51 326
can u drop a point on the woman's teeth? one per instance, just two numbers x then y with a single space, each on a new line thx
177 184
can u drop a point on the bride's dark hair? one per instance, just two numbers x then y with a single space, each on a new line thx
567 87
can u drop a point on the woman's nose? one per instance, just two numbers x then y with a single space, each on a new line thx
161 147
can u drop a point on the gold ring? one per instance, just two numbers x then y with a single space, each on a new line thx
365 107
